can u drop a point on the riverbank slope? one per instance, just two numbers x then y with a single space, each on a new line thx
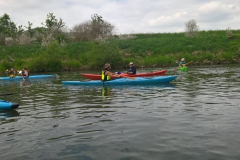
145 50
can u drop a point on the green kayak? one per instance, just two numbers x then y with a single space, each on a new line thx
184 69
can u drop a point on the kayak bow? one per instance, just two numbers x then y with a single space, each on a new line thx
5 105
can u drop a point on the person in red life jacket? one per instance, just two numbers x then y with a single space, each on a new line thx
132 69
25 73
106 74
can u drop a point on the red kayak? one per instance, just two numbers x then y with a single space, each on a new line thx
148 74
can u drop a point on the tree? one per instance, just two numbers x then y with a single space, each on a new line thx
100 29
229 32
52 29
30 31
95 29
9 31
81 32
191 28
8 28
51 22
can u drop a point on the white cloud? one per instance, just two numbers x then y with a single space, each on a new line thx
139 16
215 12
166 20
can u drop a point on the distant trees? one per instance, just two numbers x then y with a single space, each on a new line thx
8 29
54 29
95 29
191 28
51 30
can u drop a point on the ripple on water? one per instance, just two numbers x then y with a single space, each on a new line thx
196 117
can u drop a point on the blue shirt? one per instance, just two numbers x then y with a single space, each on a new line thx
132 70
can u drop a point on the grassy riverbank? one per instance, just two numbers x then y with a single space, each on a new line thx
145 50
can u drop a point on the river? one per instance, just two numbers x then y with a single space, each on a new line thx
197 116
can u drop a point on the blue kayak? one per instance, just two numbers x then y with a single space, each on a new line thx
5 105
125 81
30 77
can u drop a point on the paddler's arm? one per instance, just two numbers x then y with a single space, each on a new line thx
113 74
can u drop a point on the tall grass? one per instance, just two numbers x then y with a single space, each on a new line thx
145 50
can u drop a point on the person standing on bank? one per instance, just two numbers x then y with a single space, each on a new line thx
132 69
106 74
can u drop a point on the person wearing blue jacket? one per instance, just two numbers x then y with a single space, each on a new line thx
132 69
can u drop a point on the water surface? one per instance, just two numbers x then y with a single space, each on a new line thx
194 117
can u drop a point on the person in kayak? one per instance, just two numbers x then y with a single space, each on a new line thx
25 73
12 73
182 63
132 69
106 74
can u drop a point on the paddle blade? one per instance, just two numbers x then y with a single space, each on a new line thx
7 94
132 78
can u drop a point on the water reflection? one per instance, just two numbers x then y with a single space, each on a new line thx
8 114
112 96
107 90
25 83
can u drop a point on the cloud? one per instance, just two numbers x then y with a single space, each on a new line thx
166 20
215 12
138 16
218 15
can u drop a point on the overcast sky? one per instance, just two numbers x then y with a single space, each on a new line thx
129 16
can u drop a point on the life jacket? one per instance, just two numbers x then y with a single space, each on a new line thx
182 64
105 77
11 75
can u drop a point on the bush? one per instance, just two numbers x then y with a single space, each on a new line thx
71 64
100 54
5 65
45 63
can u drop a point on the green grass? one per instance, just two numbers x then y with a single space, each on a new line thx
146 50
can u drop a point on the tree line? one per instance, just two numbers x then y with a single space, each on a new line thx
95 29
53 29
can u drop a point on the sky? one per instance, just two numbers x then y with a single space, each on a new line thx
129 16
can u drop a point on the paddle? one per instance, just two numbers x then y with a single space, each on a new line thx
6 94
189 62
128 77
132 78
